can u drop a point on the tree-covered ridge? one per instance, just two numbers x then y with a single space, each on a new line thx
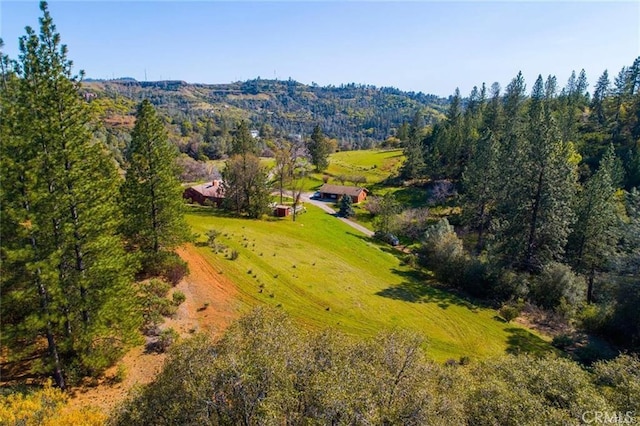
548 182
359 116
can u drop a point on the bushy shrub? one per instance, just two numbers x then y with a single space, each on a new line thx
178 298
265 370
154 303
166 338
167 265
558 288
45 407
509 312
562 341
444 253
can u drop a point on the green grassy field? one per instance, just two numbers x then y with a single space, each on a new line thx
325 274
374 165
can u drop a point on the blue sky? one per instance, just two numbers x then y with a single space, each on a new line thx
432 47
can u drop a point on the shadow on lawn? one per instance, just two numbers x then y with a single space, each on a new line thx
523 341
417 288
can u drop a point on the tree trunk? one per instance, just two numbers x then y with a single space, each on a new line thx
590 280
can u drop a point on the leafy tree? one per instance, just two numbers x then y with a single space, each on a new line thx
301 169
66 277
152 194
319 149
246 185
346 206
386 210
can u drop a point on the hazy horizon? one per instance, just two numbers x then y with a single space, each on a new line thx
429 47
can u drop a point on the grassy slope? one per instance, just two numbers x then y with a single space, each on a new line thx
374 165
325 274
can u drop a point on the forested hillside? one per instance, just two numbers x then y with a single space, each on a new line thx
357 116
546 181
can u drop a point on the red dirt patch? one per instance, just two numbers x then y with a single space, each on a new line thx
203 285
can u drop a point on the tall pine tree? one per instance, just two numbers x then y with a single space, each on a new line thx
65 273
152 194
594 237
534 212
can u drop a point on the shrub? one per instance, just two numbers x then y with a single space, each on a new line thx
509 312
558 288
234 255
562 341
178 298
166 338
121 373
167 265
154 303
444 253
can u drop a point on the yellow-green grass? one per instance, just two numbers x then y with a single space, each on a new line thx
325 274
373 164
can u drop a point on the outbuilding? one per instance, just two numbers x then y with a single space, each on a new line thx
206 193
335 192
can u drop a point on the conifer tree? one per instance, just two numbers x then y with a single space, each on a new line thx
534 212
319 149
346 206
594 235
65 273
151 194
414 163
483 171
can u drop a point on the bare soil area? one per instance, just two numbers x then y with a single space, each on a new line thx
210 306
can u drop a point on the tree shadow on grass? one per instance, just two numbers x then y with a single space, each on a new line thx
523 341
418 287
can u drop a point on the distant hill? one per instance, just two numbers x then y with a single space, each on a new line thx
358 116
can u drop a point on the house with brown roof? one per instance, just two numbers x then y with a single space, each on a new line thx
335 192
206 193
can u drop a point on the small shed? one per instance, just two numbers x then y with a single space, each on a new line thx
210 192
335 192
282 211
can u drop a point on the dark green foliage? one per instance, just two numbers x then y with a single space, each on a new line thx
246 185
509 311
151 193
558 288
65 275
242 142
346 207
595 232
167 265
319 149
533 213
154 303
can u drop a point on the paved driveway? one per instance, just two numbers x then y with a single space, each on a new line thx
326 206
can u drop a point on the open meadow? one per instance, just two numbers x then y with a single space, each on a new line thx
324 274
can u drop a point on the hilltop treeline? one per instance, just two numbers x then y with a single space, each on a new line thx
357 116
265 370
547 182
